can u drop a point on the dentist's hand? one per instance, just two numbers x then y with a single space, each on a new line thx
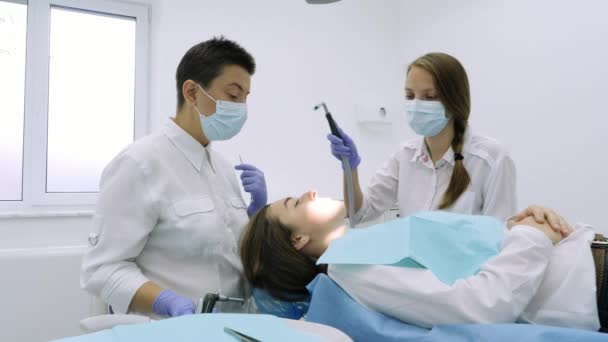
168 303
255 184
344 148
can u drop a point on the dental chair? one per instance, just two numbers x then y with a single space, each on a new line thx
324 323
361 323
599 249
320 331
101 322
206 306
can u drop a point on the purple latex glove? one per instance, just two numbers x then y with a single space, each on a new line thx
344 148
255 184
168 303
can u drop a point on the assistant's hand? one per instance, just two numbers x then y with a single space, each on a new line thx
344 147
254 183
168 303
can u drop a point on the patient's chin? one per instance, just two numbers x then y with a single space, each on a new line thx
327 210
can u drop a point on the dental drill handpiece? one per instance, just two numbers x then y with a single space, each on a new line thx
208 303
332 124
250 195
347 170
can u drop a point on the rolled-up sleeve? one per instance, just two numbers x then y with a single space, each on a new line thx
381 194
499 293
500 195
124 217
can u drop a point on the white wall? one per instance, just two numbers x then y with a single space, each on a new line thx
538 72
342 53
41 294
336 53
39 287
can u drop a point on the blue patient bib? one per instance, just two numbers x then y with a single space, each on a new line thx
452 246
267 304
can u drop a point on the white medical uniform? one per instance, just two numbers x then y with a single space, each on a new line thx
530 280
169 211
410 181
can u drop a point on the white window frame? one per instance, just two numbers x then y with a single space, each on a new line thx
35 198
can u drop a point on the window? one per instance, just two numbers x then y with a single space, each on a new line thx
91 96
76 91
12 87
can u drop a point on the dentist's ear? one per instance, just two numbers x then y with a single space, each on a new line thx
189 89
299 241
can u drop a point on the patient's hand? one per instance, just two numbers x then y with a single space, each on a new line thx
553 235
545 215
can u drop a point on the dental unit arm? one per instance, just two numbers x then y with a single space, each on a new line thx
207 303
101 322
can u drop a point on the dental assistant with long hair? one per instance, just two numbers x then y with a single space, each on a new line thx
170 211
449 166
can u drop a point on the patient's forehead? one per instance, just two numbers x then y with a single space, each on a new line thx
276 209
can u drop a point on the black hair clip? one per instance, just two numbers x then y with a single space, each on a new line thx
458 156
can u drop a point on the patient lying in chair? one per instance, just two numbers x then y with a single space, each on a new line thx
537 275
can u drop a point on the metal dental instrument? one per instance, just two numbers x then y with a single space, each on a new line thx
320 2
347 170
240 336
208 303
250 195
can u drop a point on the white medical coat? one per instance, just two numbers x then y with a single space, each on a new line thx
504 291
169 211
410 181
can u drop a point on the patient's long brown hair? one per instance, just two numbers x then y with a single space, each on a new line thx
271 262
452 86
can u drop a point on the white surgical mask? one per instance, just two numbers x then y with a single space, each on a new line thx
426 118
226 122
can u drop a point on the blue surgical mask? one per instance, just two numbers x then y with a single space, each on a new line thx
226 122
426 118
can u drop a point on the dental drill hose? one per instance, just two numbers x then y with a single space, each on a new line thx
350 190
347 169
